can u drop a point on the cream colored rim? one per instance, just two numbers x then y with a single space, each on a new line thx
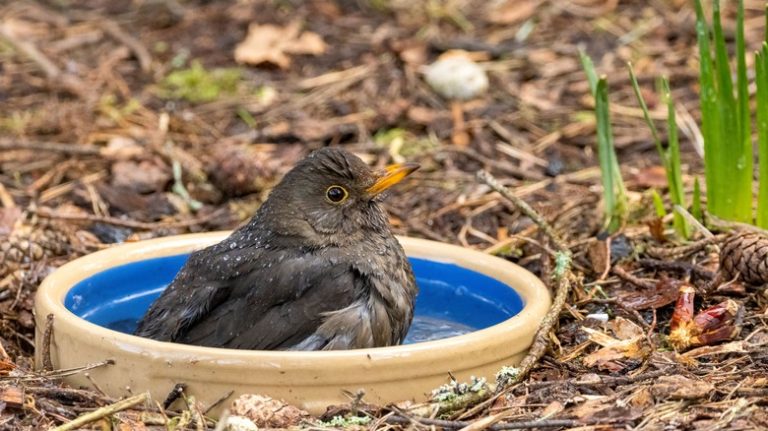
535 296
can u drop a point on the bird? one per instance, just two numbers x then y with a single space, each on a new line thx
317 267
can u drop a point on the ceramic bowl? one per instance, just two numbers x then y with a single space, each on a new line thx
478 313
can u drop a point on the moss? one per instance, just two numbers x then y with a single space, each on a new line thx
199 85
346 421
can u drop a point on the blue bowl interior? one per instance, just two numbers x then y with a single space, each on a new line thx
452 300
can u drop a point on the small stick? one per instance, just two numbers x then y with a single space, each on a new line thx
70 82
562 278
141 53
671 252
680 266
54 147
95 385
47 335
488 179
175 394
218 402
133 224
629 278
104 412
544 423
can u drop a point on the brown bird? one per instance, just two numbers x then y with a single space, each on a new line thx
316 268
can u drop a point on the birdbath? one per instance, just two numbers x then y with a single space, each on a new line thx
475 313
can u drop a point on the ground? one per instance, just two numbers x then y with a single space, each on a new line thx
129 120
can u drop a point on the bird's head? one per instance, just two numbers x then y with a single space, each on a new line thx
331 195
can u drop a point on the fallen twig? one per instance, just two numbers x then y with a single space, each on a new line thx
562 279
139 50
544 423
488 179
54 147
673 252
104 412
133 224
69 82
678 266
47 363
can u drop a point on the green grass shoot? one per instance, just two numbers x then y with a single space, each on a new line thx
658 204
614 192
669 155
696 204
761 72
725 120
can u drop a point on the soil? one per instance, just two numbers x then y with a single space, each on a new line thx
122 121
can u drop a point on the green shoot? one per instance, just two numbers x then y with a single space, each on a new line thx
658 204
727 147
761 68
670 156
696 205
614 192
674 172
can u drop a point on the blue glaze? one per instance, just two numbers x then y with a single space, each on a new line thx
452 300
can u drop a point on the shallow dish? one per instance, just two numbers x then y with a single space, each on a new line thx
461 290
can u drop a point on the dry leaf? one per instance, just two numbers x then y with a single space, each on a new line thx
732 347
678 387
599 253
8 218
664 292
512 12
629 343
140 177
272 44
651 177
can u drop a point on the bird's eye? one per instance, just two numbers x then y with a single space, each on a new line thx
336 194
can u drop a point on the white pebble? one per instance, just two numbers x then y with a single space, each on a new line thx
239 423
457 77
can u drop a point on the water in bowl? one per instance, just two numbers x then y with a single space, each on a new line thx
452 300
423 328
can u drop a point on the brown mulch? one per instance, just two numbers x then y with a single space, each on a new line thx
89 142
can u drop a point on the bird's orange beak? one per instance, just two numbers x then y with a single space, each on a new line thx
393 174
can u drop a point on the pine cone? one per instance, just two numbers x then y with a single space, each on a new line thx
745 254
28 243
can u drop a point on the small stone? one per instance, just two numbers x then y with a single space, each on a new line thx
239 423
457 77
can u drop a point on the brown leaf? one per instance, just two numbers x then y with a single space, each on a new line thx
664 292
629 343
603 408
122 148
651 177
141 177
512 11
12 396
677 387
8 217
272 44
599 254
656 228
732 347
411 51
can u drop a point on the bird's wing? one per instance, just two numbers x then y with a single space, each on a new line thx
203 283
277 305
